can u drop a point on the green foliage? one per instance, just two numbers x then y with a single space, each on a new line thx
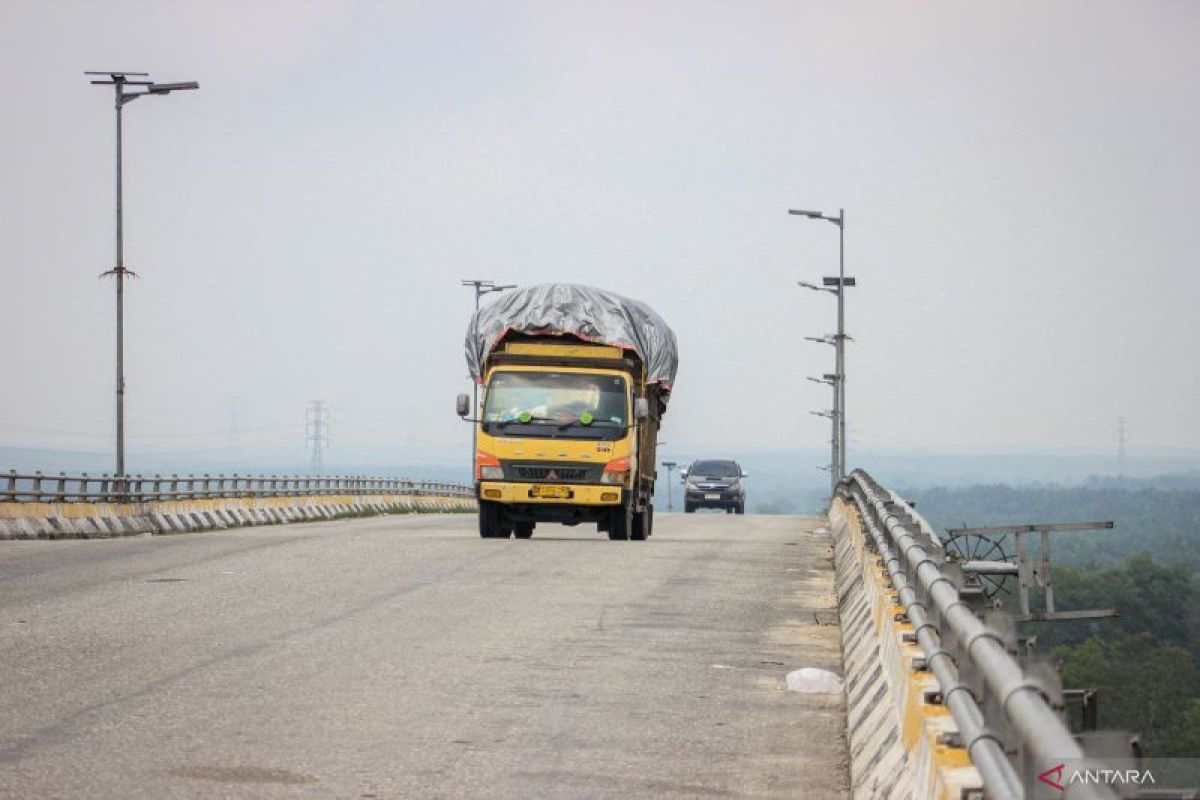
1162 601
1143 686
1183 740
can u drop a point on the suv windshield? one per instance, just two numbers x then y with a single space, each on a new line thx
557 404
715 469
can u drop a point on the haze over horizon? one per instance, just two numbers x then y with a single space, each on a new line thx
1015 183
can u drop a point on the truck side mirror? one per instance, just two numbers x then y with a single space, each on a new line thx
463 405
641 408
683 474
745 475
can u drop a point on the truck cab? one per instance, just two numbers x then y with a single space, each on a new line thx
565 434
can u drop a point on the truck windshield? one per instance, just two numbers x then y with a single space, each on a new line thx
556 404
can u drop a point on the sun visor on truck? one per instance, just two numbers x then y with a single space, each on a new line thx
593 315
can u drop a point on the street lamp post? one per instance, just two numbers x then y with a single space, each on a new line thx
839 285
482 287
830 379
670 465
120 80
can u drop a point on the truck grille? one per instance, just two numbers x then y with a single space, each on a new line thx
554 473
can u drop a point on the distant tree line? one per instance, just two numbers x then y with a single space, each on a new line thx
1165 522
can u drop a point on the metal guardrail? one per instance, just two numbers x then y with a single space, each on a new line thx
83 488
1003 709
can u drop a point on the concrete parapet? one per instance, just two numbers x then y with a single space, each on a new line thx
898 738
28 520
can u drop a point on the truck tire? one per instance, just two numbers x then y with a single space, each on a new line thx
649 521
620 523
641 524
688 508
490 521
523 530
741 508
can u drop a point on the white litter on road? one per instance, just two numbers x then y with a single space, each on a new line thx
811 680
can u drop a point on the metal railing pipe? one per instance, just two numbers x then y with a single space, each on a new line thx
1021 700
64 488
987 751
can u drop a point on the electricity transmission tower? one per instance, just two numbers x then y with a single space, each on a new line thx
316 433
1120 449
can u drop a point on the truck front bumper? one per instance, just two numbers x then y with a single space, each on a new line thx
577 494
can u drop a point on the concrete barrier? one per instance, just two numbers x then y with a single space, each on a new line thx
83 520
902 745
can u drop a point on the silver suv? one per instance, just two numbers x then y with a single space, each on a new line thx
714 483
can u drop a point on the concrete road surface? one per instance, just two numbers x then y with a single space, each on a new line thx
406 657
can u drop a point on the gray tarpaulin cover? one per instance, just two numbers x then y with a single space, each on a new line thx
593 315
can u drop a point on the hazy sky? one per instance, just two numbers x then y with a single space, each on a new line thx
1020 183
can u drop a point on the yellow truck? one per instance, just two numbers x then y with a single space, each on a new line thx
576 381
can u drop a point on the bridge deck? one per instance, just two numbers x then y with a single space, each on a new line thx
404 656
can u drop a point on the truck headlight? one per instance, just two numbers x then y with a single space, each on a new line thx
491 473
615 471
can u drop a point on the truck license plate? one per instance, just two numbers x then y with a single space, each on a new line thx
712 497
554 492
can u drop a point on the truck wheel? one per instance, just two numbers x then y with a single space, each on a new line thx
641 525
490 522
524 530
620 523
729 509
741 508
688 508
